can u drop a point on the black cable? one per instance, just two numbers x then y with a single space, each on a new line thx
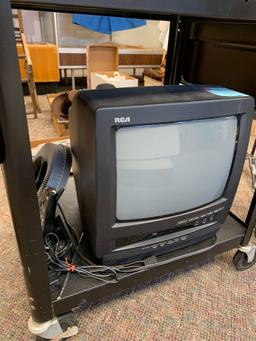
76 242
54 260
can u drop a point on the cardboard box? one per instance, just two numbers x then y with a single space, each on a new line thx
101 58
118 79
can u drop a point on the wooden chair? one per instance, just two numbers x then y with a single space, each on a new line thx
21 38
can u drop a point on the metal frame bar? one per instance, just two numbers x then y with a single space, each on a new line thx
15 149
250 220
2 147
171 58
176 49
19 173
163 9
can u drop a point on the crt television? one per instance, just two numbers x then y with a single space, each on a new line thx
156 169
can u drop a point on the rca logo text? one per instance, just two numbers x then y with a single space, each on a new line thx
122 119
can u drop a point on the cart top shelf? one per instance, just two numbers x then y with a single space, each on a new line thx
238 10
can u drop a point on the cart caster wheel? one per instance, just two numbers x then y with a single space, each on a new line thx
68 323
241 262
59 328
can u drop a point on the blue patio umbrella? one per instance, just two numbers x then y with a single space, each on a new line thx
105 24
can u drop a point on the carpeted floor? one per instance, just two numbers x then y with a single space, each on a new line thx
207 302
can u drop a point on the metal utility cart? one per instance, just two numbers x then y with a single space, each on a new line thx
49 310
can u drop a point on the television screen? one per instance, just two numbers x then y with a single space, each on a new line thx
164 169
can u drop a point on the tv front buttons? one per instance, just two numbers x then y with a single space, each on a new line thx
204 220
211 218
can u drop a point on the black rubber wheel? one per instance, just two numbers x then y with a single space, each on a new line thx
240 261
67 320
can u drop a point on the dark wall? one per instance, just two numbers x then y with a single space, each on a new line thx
223 54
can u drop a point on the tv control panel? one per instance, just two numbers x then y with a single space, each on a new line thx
202 219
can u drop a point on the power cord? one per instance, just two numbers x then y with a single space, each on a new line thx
59 258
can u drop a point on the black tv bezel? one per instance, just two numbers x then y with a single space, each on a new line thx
106 223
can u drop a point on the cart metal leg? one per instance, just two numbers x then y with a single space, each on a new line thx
246 254
19 174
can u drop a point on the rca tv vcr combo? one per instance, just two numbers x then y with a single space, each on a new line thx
156 169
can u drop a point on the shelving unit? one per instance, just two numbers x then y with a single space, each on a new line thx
46 308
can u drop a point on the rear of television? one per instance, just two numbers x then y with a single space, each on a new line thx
49 316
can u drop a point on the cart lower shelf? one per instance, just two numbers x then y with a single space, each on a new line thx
79 290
